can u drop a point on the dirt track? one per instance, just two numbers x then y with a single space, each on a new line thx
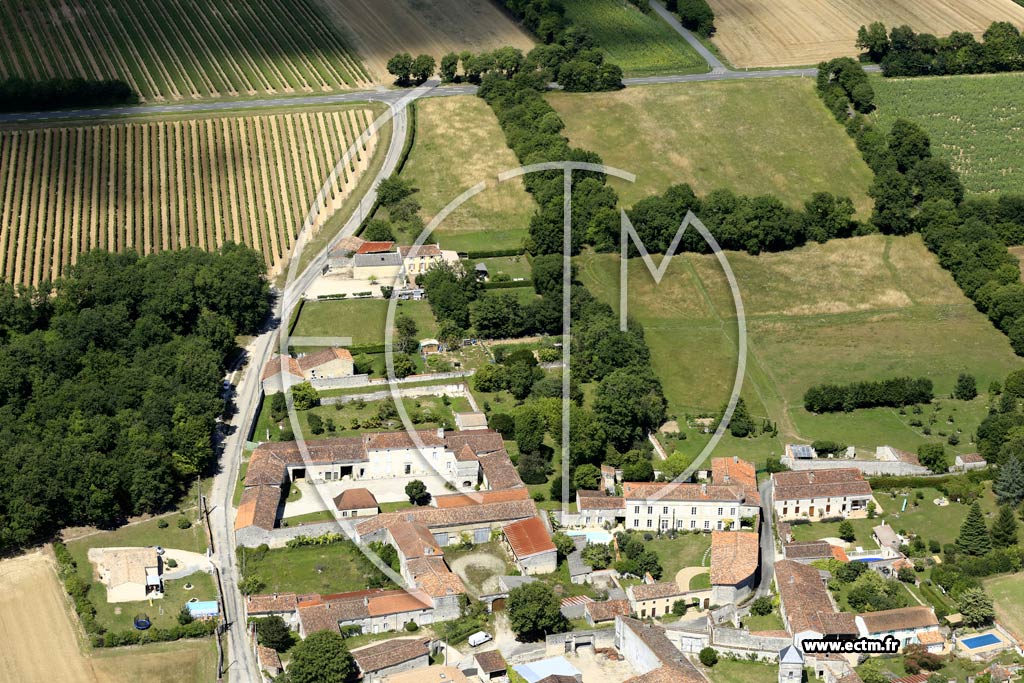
752 33
378 29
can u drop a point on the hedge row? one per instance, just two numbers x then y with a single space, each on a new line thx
495 253
508 284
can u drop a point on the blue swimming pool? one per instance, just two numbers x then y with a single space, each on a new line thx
984 640
593 536
868 559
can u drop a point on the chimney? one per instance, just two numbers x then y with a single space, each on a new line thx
440 432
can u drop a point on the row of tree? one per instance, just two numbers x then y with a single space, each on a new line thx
916 192
752 224
19 94
894 392
110 383
902 52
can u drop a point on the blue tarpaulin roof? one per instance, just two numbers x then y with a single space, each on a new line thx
534 671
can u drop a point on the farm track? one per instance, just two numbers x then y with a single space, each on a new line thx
161 185
176 50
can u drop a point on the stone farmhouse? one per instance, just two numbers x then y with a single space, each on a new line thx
906 624
368 265
324 364
818 494
807 608
529 542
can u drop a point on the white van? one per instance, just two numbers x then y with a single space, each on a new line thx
479 638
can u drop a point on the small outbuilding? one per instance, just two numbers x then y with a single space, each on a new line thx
531 546
969 461
357 502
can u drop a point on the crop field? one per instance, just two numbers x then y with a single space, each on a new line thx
974 122
642 44
805 32
179 49
378 29
459 144
158 185
753 137
848 310
46 646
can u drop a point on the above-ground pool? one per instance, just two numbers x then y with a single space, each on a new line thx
984 640
593 536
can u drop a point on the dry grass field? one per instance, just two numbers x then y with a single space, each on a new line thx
158 185
753 137
378 29
41 639
179 49
797 32
863 308
459 144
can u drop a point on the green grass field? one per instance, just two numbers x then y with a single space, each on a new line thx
642 44
739 671
362 319
974 122
857 309
459 144
754 137
334 568
1009 601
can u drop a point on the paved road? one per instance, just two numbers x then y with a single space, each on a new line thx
767 539
241 662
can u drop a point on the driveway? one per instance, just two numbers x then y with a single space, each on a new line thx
684 575
188 563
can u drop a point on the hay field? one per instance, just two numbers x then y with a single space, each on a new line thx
804 32
179 49
459 144
857 309
754 137
974 121
378 29
158 185
41 638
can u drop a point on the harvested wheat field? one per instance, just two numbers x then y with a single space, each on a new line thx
158 185
179 49
378 29
41 638
752 33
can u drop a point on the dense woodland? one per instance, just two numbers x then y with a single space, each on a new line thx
901 52
19 94
110 383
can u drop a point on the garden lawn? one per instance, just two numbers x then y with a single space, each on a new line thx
768 622
1009 601
459 144
857 309
641 43
753 137
739 671
364 320
335 568
974 122
685 550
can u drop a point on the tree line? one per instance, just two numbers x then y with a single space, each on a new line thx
568 54
695 15
894 392
20 94
902 52
110 383
914 191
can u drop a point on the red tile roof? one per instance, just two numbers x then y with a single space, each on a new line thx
607 610
680 491
734 556
452 516
528 537
355 499
390 653
258 507
432 576
655 591
374 247
273 367
499 471
971 458
903 618
269 659
675 667
413 539
480 441
318 358
803 485
270 604
807 603
479 498
398 602
597 500
491 661
736 471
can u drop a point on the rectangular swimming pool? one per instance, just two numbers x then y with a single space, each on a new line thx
593 536
984 640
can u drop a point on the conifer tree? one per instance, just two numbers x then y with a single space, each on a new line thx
1004 529
973 538
1009 485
